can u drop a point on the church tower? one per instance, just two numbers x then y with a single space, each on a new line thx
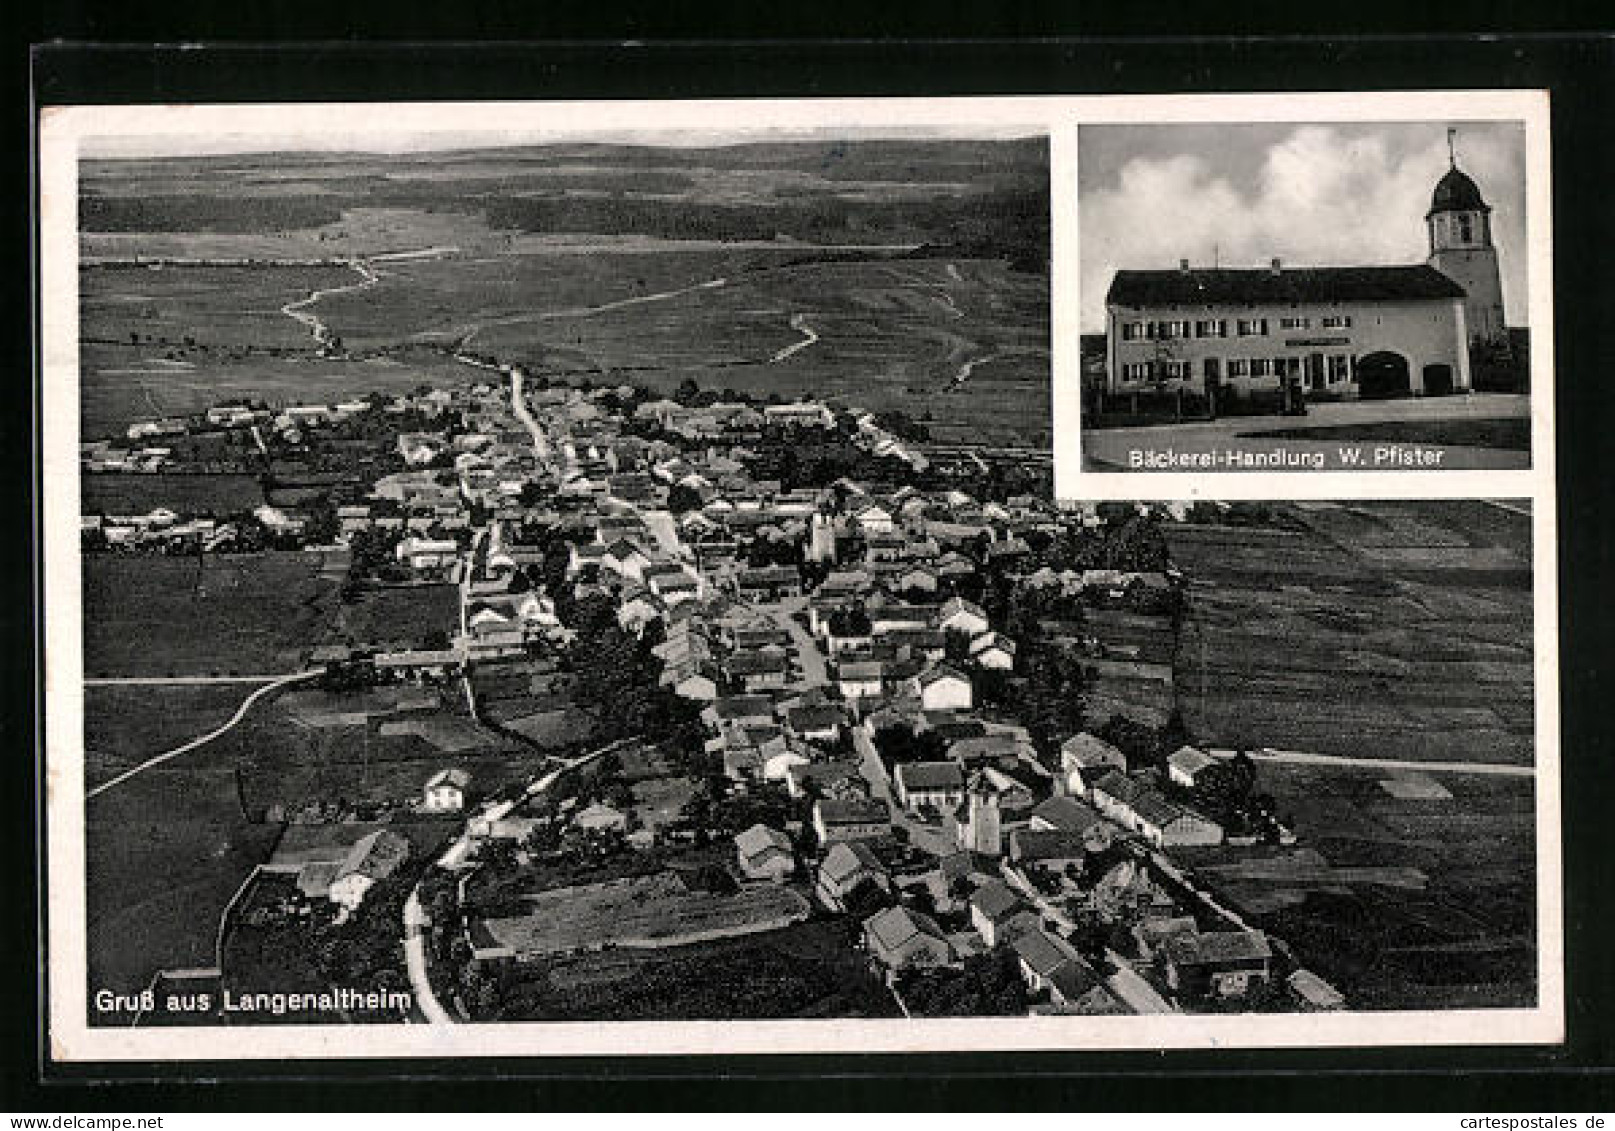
1460 226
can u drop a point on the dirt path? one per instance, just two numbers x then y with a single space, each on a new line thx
299 309
241 713
809 336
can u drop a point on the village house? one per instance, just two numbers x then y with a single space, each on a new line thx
997 913
862 819
766 584
846 867
1187 763
1068 815
828 779
764 853
1039 955
1076 987
446 790
762 670
372 859
427 553
860 679
821 722
738 709
933 785
1312 993
1218 964
1084 758
942 689
1046 850
960 615
993 650
902 939
873 519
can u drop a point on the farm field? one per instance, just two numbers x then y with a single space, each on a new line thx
400 617
132 494
202 310
1422 900
313 746
165 853
899 274
942 340
217 615
1382 630
125 725
121 384
652 911
811 969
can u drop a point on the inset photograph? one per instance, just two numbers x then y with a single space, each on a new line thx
1304 297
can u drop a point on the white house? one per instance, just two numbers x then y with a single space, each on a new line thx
445 791
993 650
943 689
1187 763
960 615
764 854
372 859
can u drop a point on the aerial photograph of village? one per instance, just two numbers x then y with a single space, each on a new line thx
620 580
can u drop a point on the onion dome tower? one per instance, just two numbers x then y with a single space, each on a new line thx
1460 228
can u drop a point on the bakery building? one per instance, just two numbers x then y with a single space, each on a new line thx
1283 334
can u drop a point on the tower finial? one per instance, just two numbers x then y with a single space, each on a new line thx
1452 153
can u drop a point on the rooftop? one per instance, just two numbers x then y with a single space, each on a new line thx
1231 286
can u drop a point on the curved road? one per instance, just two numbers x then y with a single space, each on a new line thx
415 919
241 713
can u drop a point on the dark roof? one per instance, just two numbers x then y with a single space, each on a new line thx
930 775
833 812
995 900
1221 286
1455 192
1218 947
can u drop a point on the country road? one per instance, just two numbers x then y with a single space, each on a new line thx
316 325
415 920
415 961
809 336
241 713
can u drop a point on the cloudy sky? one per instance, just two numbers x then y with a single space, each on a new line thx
1316 195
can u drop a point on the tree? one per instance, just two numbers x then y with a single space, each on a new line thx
682 499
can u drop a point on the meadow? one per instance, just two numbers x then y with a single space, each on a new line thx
1383 630
1421 901
220 614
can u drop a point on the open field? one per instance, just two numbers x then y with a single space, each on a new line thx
312 745
165 852
201 309
941 339
121 384
400 617
1415 901
647 912
1384 630
220 614
125 494
906 274
807 970
123 726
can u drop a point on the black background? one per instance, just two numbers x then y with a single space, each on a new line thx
328 65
